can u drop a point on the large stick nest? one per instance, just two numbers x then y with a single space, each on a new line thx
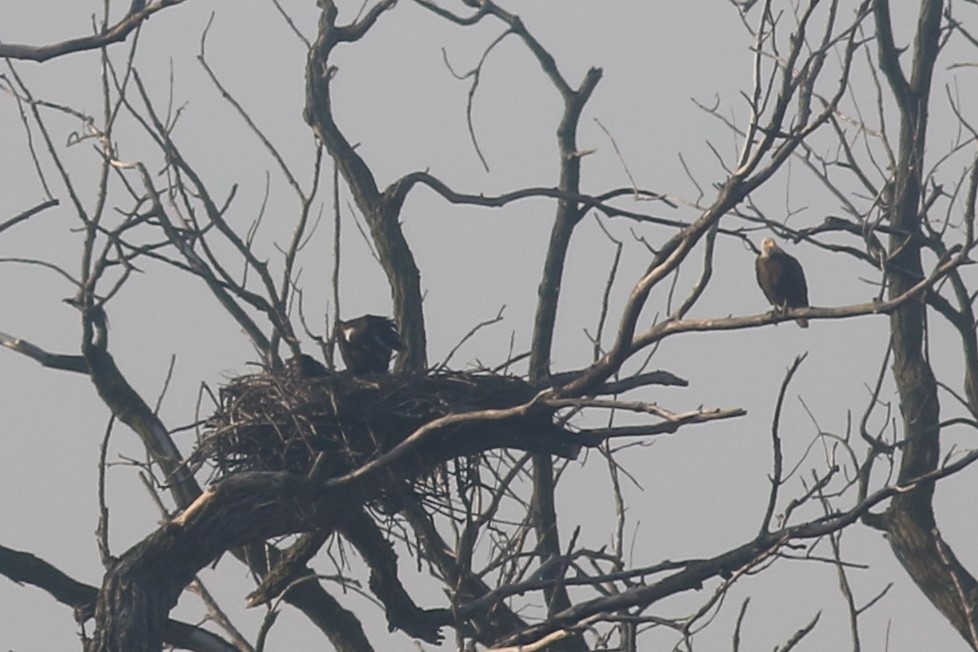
328 425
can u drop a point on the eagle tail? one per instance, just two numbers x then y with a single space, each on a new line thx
802 322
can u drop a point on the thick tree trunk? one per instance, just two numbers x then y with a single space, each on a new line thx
910 522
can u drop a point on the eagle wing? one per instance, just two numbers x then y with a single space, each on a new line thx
384 331
796 290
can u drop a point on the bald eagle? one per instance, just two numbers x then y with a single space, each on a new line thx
781 278
305 366
367 343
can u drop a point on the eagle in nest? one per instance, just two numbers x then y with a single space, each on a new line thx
367 344
781 278
305 366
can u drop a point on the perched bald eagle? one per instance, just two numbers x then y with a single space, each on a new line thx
781 278
367 343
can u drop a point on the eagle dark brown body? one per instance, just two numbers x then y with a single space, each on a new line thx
781 278
367 344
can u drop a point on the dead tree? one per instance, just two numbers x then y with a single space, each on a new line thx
459 470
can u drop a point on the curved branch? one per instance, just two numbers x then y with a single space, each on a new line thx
594 437
115 34
61 361
889 54
665 262
25 568
30 212
402 612
775 478
405 184
130 408
381 210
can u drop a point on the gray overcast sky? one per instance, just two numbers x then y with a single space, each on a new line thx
700 490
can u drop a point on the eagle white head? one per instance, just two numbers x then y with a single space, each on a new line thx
769 246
